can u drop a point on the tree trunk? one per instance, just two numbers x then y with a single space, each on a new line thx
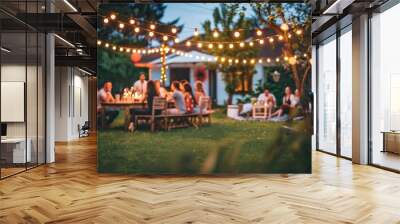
230 98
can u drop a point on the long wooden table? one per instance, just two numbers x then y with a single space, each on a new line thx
125 106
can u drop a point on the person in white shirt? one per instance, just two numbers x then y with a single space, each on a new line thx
264 98
140 85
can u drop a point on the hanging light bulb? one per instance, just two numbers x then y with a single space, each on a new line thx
261 41
151 33
121 49
289 35
113 16
252 61
241 44
199 45
269 60
106 20
165 38
196 32
99 42
286 58
284 27
280 37
107 45
188 43
121 25
236 34
277 59
210 46
152 26
114 48
230 46
292 60
259 32
244 61
215 34
271 40
236 61
305 55
176 40
222 59
128 50
173 30
260 60
230 60
299 32
251 44
220 46
131 21
137 29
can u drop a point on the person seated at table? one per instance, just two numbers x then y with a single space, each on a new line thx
140 85
182 83
198 92
178 98
163 92
149 95
287 103
104 95
189 98
264 98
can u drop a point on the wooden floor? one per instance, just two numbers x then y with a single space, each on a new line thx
71 191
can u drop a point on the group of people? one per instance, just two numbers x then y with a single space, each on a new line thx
181 96
268 99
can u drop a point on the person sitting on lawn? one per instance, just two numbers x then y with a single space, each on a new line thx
287 103
104 95
178 98
189 98
198 92
149 95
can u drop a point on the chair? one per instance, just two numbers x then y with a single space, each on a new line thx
260 111
205 109
84 130
159 104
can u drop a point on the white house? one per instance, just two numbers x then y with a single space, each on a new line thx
183 67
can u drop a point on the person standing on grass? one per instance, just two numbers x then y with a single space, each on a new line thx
178 98
140 85
151 92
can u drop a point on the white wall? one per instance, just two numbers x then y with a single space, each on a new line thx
71 102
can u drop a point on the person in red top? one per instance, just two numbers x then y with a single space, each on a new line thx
189 99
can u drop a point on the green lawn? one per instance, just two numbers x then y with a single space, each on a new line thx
227 146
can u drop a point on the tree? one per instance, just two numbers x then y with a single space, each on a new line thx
116 66
292 21
227 19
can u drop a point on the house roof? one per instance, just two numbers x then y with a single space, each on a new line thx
190 57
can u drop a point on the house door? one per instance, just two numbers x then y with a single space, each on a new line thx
212 83
179 74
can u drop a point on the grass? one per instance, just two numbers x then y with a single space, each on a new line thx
226 146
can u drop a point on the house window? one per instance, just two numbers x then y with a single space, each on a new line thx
244 83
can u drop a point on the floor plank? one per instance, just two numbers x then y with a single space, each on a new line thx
71 191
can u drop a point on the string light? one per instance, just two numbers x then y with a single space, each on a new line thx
244 61
230 46
271 40
176 40
152 26
284 27
230 60
210 46
260 60
151 33
280 37
106 20
114 48
188 43
215 34
259 32
121 25
299 32
236 34
107 45
99 42
261 41
241 44
137 29
277 59
199 45
220 46
252 61
251 44
289 35
305 55
113 16
286 58
196 32
173 30
269 60
222 59
132 21
236 61
128 50
121 49
165 38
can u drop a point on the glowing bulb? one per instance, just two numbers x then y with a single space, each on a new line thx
199 45
107 45
271 40
220 46
259 32
173 30
128 50
106 20
151 34
280 37
236 61
137 29
261 41
121 25
210 46
299 32
252 61
236 34
114 48
251 44
292 60
176 40
241 44
230 46
260 61
286 58
230 60
196 32
188 43
284 27
277 59
98 42
152 26
131 21
244 61
222 59
113 16
215 34
121 49
289 35
269 60
305 55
